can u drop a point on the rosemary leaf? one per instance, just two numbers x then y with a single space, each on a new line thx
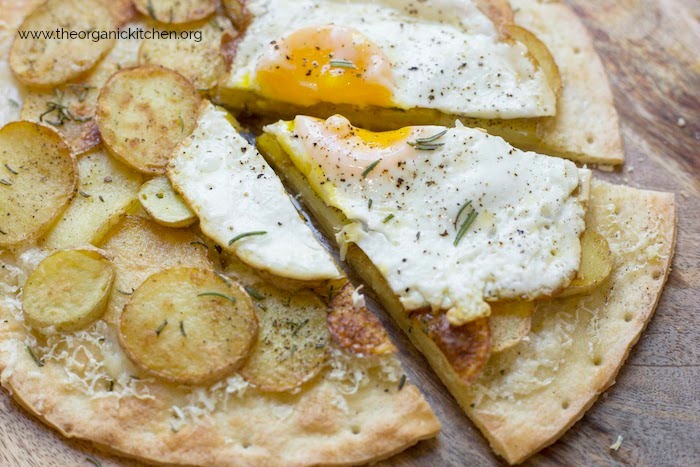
217 294
370 167
244 235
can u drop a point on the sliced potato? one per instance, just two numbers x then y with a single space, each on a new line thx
164 205
509 323
466 348
144 112
236 11
355 328
176 11
122 11
68 290
187 326
106 191
140 248
202 62
596 264
70 107
38 177
43 61
293 342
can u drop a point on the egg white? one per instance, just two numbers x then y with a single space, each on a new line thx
233 191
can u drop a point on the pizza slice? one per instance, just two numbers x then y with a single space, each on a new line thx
513 68
431 215
235 341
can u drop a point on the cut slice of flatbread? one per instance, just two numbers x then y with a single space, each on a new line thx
576 345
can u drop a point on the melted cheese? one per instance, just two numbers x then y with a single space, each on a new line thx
233 191
405 206
443 54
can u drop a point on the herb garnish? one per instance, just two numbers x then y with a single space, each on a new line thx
471 217
5 182
93 460
402 382
370 167
301 325
428 143
83 194
80 90
244 235
149 8
12 171
217 294
36 360
369 204
343 64
254 294
388 218
160 328
182 329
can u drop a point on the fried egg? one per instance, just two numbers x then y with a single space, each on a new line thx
452 218
440 54
241 203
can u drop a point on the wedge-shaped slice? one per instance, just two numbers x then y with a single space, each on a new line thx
188 326
596 264
68 290
164 205
141 248
293 342
198 57
38 179
69 108
428 207
144 112
106 191
242 205
527 398
39 60
509 323
309 55
176 11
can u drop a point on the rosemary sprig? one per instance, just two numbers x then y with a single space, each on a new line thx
471 217
430 139
217 294
343 64
426 146
388 218
402 382
244 235
254 294
11 170
160 328
80 90
93 460
301 325
461 210
370 167
38 362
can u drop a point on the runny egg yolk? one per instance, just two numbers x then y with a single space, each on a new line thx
337 147
325 64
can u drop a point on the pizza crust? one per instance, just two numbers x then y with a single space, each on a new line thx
586 127
532 393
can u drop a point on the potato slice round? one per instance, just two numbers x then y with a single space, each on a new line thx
38 176
187 326
509 323
596 264
293 341
202 62
68 290
176 11
50 61
144 112
164 205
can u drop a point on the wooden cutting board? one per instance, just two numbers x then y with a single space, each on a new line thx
651 49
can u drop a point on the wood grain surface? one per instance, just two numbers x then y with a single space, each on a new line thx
651 50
